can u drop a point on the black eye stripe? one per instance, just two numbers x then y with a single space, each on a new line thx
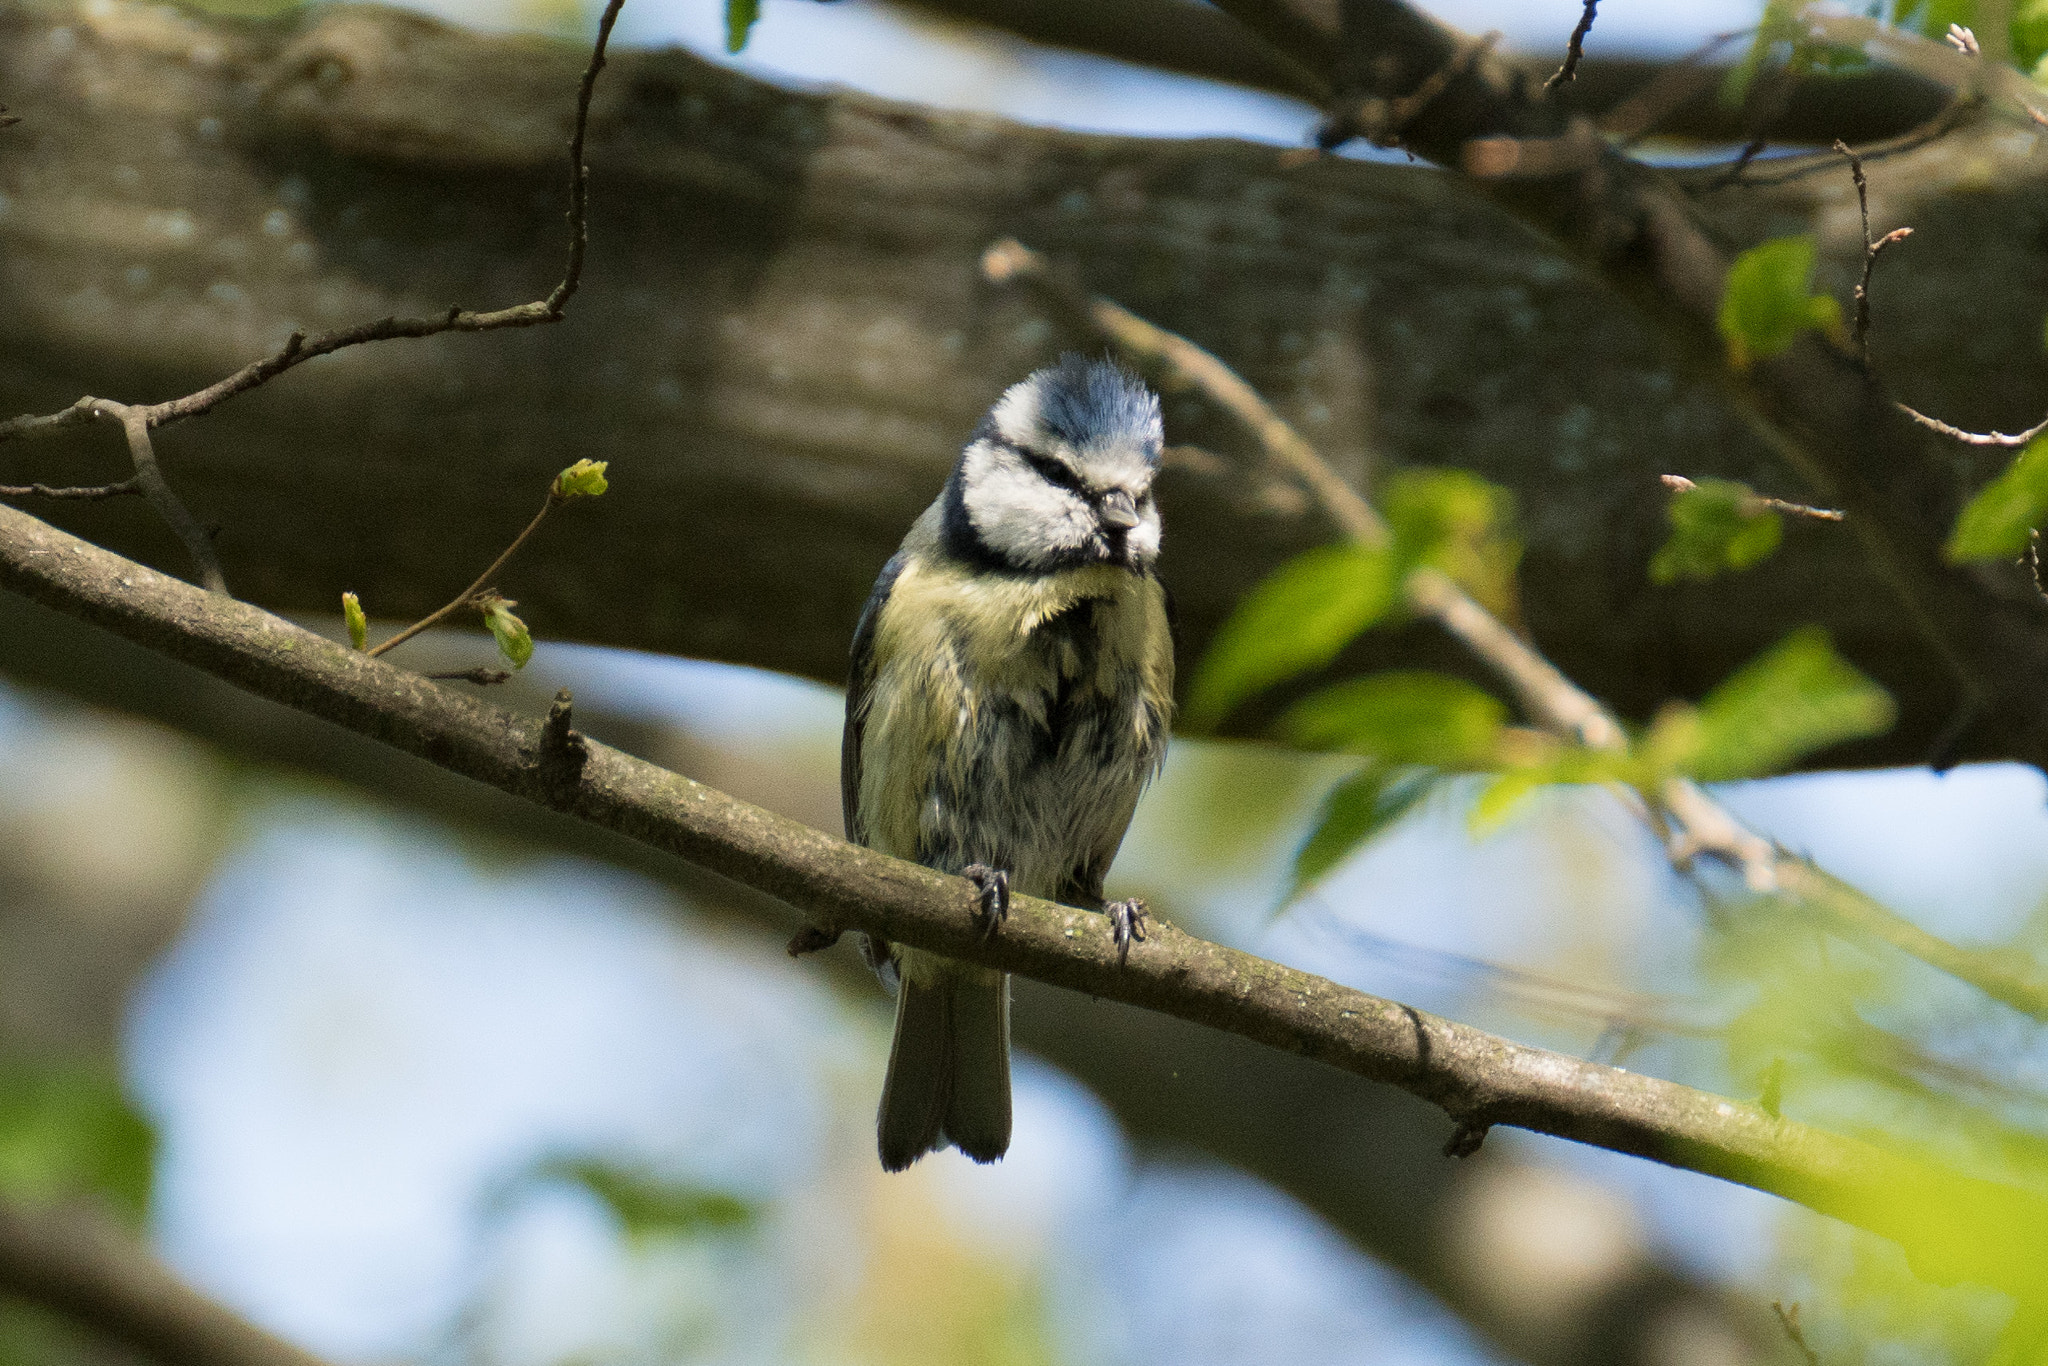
1052 471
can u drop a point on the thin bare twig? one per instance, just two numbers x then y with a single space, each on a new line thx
198 540
139 419
1698 825
1791 168
81 494
1575 49
2034 562
1871 248
2009 440
1759 502
475 590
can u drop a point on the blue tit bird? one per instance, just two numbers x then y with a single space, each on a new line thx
1011 688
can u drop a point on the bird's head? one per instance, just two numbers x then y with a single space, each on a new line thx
1059 474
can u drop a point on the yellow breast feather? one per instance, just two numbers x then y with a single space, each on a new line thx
948 637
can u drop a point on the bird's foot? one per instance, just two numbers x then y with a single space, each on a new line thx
992 906
1126 925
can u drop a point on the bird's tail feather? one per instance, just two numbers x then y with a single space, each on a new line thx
949 1067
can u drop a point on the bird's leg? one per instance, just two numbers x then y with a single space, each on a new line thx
1126 925
992 907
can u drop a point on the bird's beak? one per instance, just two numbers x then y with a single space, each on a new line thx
1117 511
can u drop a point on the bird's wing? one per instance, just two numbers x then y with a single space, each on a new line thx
860 684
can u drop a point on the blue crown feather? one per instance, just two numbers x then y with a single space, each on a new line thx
1092 402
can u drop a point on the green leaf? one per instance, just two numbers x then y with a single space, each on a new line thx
1716 525
358 624
1504 796
1298 619
739 22
1765 303
67 1131
1455 521
1355 810
1401 718
1794 699
584 479
1995 524
515 642
647 1206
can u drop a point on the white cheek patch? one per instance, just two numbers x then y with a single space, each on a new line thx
1018 514
1141 542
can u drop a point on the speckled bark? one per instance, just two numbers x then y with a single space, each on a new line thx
782 339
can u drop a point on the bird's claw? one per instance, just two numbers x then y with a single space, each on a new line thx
992 906
1126 925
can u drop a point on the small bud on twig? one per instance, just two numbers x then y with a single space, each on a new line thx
515 641
584 479
358 623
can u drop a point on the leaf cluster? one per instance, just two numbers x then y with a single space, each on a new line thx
1717 526
1300 618
1413 730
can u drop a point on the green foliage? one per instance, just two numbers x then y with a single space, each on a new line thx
1775 30
33 1336
1551 765
584 479
1716 526
67 1131
2030 35
1793 700
515 642
739 22
1996 522
1355 810
1309 609
649 1207
1414 728
1766 304
358 624
1401 718
1298 619
1455 521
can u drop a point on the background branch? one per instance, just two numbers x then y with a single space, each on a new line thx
75 1260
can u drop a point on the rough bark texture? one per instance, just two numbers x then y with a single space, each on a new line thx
782 338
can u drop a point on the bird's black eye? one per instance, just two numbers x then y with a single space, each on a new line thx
1052 471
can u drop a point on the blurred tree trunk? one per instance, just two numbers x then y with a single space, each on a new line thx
783 338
